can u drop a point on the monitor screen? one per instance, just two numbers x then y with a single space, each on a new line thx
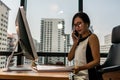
25 40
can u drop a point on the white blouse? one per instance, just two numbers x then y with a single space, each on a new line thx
80 59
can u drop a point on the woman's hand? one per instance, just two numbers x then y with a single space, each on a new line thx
76 69
74 37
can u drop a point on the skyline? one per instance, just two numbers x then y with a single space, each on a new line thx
103 18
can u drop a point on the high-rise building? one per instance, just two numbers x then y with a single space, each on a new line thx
36 44
107 39
4 14
53 39
11 41
2 61
52 35
105 48
67 42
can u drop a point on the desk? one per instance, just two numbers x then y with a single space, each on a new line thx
30 75
115 75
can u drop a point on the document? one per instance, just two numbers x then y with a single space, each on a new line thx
51 68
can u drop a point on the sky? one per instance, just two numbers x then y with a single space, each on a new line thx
104 14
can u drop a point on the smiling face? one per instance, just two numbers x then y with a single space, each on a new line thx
80 26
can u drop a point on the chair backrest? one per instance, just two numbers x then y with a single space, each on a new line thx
113 57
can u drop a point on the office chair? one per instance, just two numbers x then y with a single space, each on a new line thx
112 62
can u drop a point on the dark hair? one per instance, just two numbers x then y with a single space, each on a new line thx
83 16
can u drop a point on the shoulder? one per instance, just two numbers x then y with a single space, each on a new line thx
93 38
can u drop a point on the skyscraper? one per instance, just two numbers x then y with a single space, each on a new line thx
52 35
4 13
53 38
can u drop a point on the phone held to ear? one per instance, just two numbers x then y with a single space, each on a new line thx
76 33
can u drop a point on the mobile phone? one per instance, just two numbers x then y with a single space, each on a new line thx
76 33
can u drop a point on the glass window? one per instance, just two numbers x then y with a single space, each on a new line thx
43 15
42 12
104 15
36 10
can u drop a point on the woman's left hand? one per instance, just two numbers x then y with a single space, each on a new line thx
76 69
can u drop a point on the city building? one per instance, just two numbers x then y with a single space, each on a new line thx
36 44
107 39
67 42
52 35
107 43
53 38
106 47
11 41
4 14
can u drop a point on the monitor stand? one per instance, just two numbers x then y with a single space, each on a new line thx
9 59
18 67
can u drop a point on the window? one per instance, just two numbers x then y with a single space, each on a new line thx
52 11
104 15
41 13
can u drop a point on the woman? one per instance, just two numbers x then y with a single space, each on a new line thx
85 50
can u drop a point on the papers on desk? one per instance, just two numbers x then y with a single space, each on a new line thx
40 68
50 68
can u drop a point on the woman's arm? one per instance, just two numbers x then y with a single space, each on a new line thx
72 52
95 50
75 43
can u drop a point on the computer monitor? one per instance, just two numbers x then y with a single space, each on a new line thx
25 40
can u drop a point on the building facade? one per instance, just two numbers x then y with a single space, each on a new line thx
4 14
52 35
67 45
106 47
107 43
